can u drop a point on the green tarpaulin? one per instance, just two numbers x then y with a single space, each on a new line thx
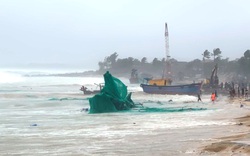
112 98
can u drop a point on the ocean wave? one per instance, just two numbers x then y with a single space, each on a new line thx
7 77
63 99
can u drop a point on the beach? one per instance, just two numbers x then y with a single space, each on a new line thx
235 144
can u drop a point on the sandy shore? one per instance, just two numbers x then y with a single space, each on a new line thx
238 144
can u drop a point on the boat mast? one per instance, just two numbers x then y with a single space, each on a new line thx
168 66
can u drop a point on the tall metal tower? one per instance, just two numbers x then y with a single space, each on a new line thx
168 65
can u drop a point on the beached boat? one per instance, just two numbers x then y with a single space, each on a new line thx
186 89
164 85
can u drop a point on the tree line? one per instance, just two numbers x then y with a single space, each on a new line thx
235 69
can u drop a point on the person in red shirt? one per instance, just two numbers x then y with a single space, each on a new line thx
213 96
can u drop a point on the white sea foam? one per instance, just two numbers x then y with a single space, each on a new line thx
7 77
42 71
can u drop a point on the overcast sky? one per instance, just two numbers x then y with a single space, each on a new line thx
85 31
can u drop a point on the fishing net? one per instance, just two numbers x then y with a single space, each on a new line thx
112 98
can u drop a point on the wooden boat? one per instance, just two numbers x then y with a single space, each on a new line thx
186 89
86 91
89 92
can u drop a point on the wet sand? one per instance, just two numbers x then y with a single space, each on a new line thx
237 144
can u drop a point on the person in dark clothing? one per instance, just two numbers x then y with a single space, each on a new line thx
221 85
199 97
242 92
215 92
238 91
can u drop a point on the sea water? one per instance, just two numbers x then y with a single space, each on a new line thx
44 115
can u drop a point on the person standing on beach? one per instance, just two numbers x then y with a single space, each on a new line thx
213 96
246 93
238 91
242 92
199 97
215 92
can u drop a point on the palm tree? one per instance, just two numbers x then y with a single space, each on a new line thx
206 55
216 53
247 54
144 60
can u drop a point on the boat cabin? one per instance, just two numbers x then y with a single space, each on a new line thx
160 82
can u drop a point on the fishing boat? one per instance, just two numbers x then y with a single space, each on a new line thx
164 84
186 89
86 91
134 79
137 78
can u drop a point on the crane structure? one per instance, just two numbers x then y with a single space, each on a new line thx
166 75
168 72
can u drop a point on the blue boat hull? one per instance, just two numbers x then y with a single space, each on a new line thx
187 89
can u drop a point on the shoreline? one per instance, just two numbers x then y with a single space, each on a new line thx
236 144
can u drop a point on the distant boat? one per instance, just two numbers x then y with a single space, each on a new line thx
134 79
137 78
86 91
186 89
164 85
